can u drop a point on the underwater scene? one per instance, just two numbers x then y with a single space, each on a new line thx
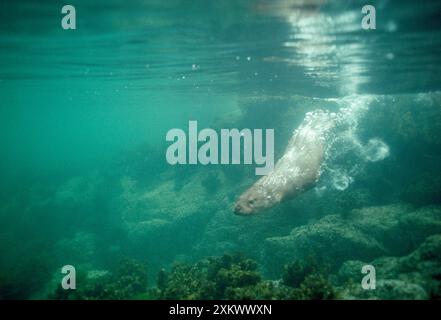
196 149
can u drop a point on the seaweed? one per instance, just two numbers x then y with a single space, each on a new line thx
235 277
128 281
316 287
231 276
210 278
294 273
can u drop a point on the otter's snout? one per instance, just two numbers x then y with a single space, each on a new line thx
242 209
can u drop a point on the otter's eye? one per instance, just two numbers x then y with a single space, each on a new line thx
251 201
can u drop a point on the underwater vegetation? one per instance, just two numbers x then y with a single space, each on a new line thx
413 276
233 276
294 273
211 278
127 281
17 283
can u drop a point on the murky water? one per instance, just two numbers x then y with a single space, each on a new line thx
84 114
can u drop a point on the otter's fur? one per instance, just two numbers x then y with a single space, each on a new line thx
295 172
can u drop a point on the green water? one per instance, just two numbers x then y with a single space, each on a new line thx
84 179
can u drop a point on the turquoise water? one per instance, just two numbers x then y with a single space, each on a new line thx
84 179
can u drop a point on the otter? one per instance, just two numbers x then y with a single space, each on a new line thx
296 171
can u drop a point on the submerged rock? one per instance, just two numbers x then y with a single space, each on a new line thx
403 119
415 276
80 249
365 234
331 239
177 217
425 189
389 290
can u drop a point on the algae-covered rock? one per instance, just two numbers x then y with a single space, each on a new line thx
236 277
212 278
383 224
400 228
331 238
404 120
419 224
177 215
294 273
424 189
411 125
80 249
127 281
365 234
415 276
389 290
317 287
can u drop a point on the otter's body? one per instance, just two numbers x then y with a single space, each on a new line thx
295 172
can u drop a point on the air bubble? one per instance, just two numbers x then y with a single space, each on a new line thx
376 150
341 181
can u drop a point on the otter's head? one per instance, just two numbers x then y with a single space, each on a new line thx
252 201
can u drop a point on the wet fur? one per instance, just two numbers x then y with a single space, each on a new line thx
295 172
